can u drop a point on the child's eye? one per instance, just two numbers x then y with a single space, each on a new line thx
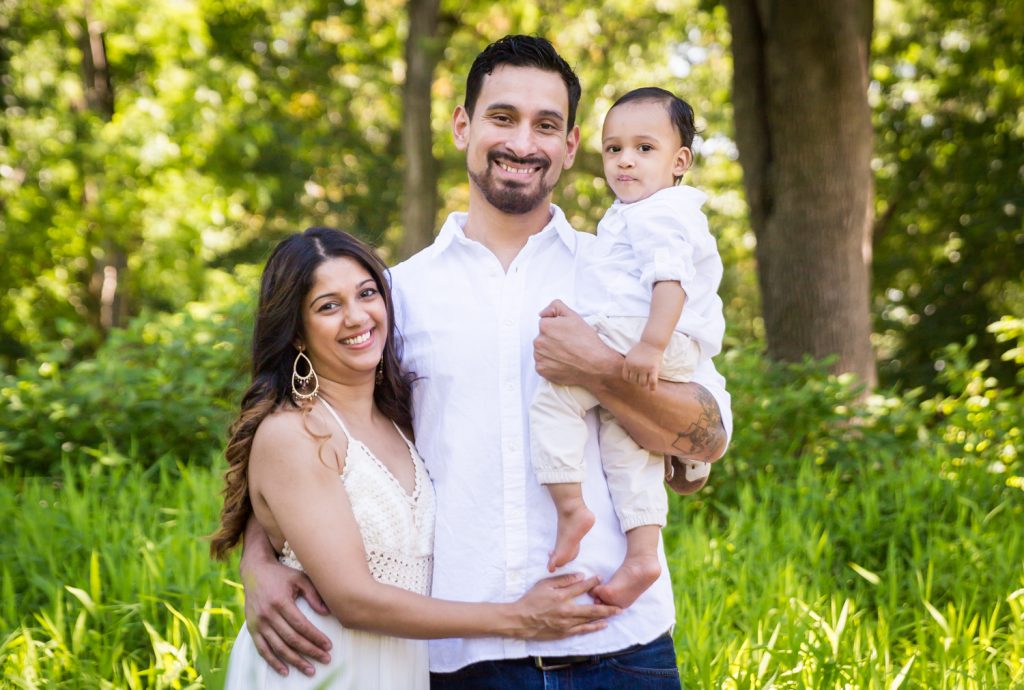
612 149
646 147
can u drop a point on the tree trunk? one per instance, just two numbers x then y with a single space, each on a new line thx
110 262
419 198
803 129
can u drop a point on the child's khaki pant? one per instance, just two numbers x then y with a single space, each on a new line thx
559 433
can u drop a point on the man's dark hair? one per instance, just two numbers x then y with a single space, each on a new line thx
679 111
522 51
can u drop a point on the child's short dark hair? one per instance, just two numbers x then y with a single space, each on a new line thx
522 51
679 111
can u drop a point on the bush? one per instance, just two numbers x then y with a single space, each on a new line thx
786 413
166 385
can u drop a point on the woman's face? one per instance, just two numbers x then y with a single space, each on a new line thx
345 321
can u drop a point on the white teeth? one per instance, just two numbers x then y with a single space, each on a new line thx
516 171
355 340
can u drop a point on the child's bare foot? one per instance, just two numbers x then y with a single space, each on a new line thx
573 523
634 576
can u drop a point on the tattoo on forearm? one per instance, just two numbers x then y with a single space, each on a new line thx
700 440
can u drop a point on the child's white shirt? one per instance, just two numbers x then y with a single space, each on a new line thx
662 237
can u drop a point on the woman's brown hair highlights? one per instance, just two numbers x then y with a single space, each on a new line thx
287 279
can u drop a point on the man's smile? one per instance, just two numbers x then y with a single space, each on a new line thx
518 167
516 171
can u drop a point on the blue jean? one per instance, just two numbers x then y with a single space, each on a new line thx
647 667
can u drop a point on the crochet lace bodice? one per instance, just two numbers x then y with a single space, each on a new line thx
397 528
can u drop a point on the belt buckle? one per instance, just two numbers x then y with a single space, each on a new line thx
539 662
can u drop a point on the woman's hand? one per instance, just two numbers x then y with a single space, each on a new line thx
548 611
282 634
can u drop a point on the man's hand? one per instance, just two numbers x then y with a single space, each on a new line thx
642 364
568 351
283 635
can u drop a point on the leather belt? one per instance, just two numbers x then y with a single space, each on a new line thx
557 663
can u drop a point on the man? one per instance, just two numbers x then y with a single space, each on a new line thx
467 307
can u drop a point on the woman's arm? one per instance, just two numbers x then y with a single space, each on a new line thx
311 509
680 419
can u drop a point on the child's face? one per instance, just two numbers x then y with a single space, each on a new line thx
642 151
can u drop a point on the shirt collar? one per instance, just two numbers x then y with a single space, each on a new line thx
614 223
454 229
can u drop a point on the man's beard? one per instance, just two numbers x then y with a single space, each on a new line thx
511 197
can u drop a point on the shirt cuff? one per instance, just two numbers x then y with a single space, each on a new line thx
667 265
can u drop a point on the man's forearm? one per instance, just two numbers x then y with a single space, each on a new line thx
679 419
256 547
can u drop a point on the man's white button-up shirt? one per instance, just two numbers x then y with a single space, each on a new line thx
468 328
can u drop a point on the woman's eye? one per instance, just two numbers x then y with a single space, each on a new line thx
368 292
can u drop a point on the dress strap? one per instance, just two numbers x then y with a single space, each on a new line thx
402 434
334 414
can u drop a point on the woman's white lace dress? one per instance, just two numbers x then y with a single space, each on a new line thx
398 534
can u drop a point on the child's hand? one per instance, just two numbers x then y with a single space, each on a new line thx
642 364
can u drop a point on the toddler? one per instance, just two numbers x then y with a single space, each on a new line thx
649 286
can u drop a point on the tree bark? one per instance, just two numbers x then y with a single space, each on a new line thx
419 175
803 129
109 266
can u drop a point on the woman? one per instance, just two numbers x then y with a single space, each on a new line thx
329 399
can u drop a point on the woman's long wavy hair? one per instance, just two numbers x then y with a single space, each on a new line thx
287 279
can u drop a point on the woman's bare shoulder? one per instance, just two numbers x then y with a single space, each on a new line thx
288 434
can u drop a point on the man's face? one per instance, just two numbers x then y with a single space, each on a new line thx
517 142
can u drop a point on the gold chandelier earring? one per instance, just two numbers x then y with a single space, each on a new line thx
379 377
303 383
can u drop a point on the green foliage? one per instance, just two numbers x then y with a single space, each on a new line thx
165 386
234 123
791 414
948 91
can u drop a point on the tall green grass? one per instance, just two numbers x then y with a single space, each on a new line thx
840 544
107 582
885 578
